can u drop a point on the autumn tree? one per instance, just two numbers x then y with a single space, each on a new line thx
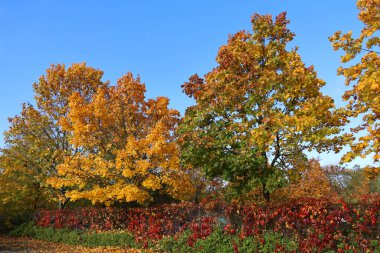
351 183
313 183
339 177
20 193
128 150
35 143
30 157
363 79
258 110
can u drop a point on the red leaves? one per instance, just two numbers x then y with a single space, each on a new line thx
318 224
228 229
201 229
194 87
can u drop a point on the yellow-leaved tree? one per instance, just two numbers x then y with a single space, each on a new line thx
127 147
27 160
35 144
363 77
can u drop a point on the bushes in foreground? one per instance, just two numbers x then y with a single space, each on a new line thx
309 225
217 241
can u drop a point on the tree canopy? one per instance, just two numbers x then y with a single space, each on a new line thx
87 139
127 147
258 110
363 78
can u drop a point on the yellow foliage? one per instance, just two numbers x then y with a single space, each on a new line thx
312 184
127 145
364 79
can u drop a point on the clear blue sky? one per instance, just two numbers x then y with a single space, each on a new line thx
162 41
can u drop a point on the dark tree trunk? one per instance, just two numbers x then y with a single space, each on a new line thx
62 204
266 193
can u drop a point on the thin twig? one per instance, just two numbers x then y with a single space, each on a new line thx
371 51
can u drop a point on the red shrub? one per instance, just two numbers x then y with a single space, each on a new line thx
318 224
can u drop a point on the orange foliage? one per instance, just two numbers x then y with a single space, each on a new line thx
127 146
313 184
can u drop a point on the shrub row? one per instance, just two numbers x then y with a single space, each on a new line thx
316 224
217 241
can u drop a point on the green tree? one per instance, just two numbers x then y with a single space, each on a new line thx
258 110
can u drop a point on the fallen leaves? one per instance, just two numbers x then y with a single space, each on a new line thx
23 244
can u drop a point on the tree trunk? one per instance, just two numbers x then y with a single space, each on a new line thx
264 170
62 204
266 193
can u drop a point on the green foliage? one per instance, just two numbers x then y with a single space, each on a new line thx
218 241
73 237
109 239
48 234
221 242
258 110
272 242
176 244
9 218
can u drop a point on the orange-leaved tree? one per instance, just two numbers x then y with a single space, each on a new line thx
313 183
258 110
127 147
363 78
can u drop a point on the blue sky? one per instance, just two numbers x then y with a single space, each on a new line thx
162 41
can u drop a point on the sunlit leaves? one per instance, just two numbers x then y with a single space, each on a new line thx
259 109
363 78
128 150
31 154
87 139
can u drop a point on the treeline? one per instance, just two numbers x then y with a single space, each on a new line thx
88 142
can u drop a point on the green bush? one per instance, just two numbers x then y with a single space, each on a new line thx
108 239
176 244
220 242
10 219
85 238
47 234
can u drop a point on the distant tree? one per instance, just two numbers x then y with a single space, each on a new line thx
339 177
20 193
350 184
313 184
30 157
